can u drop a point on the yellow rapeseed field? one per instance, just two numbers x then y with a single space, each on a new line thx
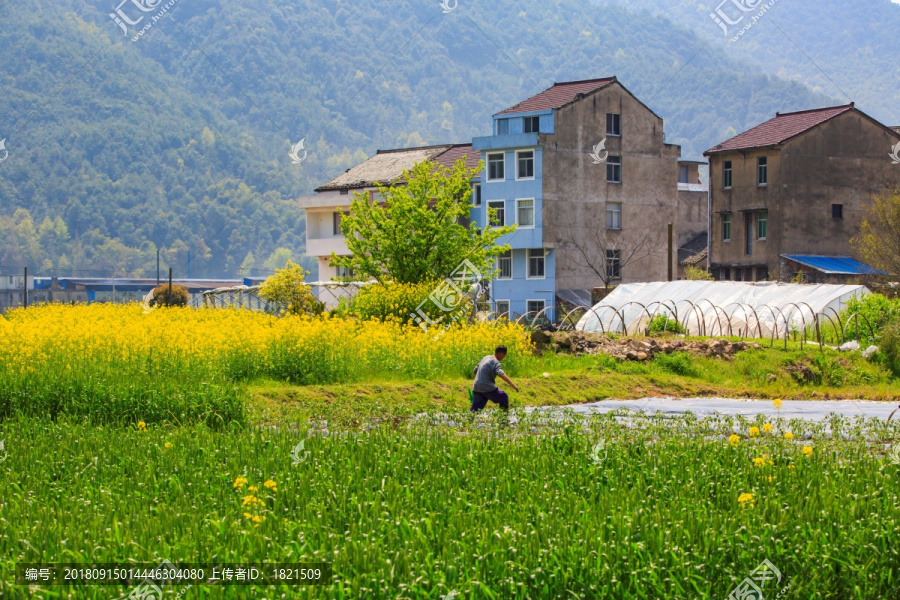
57 358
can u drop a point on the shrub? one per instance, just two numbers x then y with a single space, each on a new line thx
662 323
697 274
400 301
677 363
878 310
889 350
162 296
287 290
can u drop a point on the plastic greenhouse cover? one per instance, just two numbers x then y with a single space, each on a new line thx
755 310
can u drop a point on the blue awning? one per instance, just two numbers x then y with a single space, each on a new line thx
834 265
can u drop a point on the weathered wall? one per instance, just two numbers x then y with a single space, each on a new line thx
576 191
843 161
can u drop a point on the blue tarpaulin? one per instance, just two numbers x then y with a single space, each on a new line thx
834 265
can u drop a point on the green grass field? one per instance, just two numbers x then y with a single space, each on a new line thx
117 449
489 512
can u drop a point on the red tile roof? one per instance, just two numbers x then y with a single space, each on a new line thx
559 95
456 152
780 129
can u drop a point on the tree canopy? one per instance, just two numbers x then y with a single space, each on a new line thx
414 231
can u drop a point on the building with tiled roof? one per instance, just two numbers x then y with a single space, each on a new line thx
559 95
797 185
581 168
332 200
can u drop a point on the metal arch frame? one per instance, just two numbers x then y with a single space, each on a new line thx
701 325
593 310
659 304
621 313
569 314
743 308
856 316
716 309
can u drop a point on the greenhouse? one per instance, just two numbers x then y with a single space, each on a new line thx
726 308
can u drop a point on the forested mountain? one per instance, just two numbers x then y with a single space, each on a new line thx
179 140
844 49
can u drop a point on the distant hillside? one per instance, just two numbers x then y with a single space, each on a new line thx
180 140
831 46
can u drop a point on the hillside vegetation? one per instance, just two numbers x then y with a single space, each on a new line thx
180 140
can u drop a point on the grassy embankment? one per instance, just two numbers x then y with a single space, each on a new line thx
763 374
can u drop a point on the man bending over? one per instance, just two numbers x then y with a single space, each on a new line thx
485 387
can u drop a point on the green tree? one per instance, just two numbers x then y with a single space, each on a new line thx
878 242
413 232
287 290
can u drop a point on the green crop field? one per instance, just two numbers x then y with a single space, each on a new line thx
151 455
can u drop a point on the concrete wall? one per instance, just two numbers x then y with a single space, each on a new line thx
843 161
576 191
693 215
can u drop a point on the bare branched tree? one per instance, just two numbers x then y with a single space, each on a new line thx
608 252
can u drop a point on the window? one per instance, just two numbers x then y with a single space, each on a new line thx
534 307
762 273
726 228
345 192
614 169
505 265
837 211
762 170
762 224
614 264
535 263
499 219
525 213
344 272
502 126
476 194
525 160
496 164
532 124
726 175
502 308
613 215
336 223
613 124
683 174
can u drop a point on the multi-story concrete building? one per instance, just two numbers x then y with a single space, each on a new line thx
788 195
582 169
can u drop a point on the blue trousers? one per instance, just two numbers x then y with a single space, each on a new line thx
498 396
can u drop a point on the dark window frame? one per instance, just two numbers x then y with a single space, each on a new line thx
762 171
614 124
493 164
614 264
614 169
727 175
531 125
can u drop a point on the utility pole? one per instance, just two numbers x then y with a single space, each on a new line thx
25 291
671 251
157 267
189 264
169 303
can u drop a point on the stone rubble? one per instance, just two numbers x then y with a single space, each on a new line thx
639 350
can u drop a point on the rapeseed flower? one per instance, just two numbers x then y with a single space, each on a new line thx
754 431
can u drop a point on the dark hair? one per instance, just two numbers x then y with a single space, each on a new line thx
501 349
